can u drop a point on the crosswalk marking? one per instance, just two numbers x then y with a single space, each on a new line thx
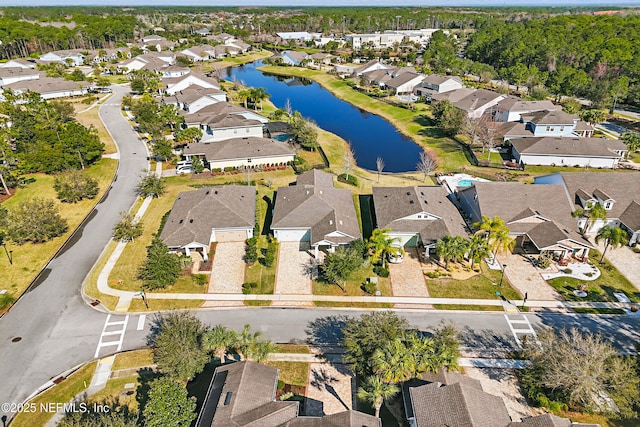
109 324
516 325
141 320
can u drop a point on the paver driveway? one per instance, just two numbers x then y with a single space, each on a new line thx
526 278
227 274
407 278
293 276
625 260
329 389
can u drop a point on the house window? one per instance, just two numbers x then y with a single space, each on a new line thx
608 205
550 128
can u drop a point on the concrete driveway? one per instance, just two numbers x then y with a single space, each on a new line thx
625 260
407 279
526 278
293 275
227 273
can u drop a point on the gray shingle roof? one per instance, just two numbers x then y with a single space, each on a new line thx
392 204
47 85
517 104
436 79
457 405
195 213
548 420
341 419
631 216
243 394
555 117
623 187
238 148
568 147
315 204
402 79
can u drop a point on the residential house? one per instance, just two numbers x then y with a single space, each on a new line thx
292 57
404 83
370 66
435 83
72 58
474 102
149 61
214 112
247 152
450 399
237 46
210 214
421 36
417 216
617 192
538 216
378 77
204 32
244 394
177 84
50 87
578 152
207 52
173 71
194 98
321 58
17 63
512 108
10 75
155 42
316 212
550 123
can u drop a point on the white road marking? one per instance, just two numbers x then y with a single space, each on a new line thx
105 333
141 320
519 329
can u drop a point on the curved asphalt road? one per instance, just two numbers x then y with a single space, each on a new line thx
57 328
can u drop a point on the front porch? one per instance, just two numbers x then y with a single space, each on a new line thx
562 252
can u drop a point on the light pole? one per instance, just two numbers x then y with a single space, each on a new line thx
398 22
504 266
9 253
144 298
249 172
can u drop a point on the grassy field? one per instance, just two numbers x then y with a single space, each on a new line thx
293 348
29 259
259 273
480 286
601 289
133 359
230 61
90 117
60 393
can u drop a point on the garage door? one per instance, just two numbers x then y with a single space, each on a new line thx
296 235
231 235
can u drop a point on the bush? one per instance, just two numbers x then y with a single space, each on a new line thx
280 385
200 279
251 250
543 261
150 186
270 254
350 179
369 287
161 268
381 271
36 221
567 270
75 186
249 287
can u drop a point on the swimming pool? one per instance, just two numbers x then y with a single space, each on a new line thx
465 183
283 137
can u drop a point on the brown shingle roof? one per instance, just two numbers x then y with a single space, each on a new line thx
555 117
238 148
565 146
322 208
45 85
392 204
195 213
341 419
517 104
631 216
457 405
548 420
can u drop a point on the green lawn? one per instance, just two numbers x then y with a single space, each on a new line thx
29 259
294 373
353 288
601 289
259 273
480 286
293 348
60 393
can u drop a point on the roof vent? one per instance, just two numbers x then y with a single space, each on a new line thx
307 191
191 221
207 193
227 398
408 193
330 222
215 192
410 202
181 221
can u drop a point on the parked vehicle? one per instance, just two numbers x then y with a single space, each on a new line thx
183 169
395 255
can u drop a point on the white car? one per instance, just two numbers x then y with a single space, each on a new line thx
395 256
183 169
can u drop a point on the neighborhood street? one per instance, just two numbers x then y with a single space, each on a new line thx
51 329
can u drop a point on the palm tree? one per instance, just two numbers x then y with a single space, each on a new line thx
613 236
496 232
422 349
450 248
260 350
380 244
394 362
376 391
244 96
258 94
593 214
477 248
245 341
218 340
